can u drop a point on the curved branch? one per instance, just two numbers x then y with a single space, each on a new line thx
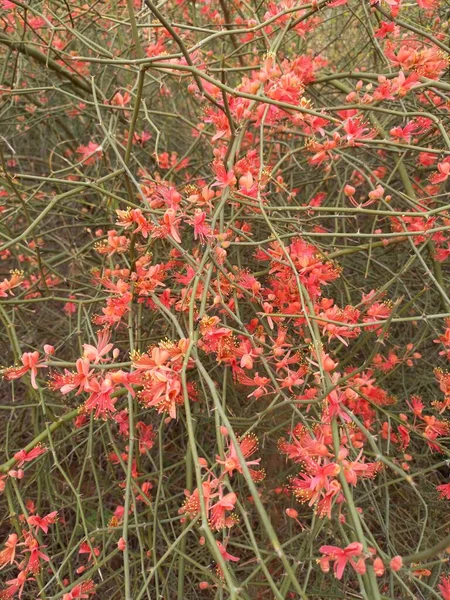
40 57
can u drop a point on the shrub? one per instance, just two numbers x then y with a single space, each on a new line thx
225 309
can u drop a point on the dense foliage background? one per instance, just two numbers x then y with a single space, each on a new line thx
224 244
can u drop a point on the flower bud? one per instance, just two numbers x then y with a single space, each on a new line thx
121 544
396 563
349 190
378 567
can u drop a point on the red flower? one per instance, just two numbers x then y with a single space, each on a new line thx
444 490
15 586
30 362
8 554
90 153
218 511
100 402
81 592
444 587
23 456
248 446
340 557
146 437
43 522
96 354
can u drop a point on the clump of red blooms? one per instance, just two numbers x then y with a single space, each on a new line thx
236 262
155 380
215 502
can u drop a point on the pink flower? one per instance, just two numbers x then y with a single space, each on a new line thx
201 228
43 522
248 446
30 362
8 554
8 284
428 4
171 223
121 99
444 587
23 456
146 435
100 402
224 178
404 133
90 153
444 490
226 555
341 556
443 172
15 586
96 354
85 548
81 591
218 519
